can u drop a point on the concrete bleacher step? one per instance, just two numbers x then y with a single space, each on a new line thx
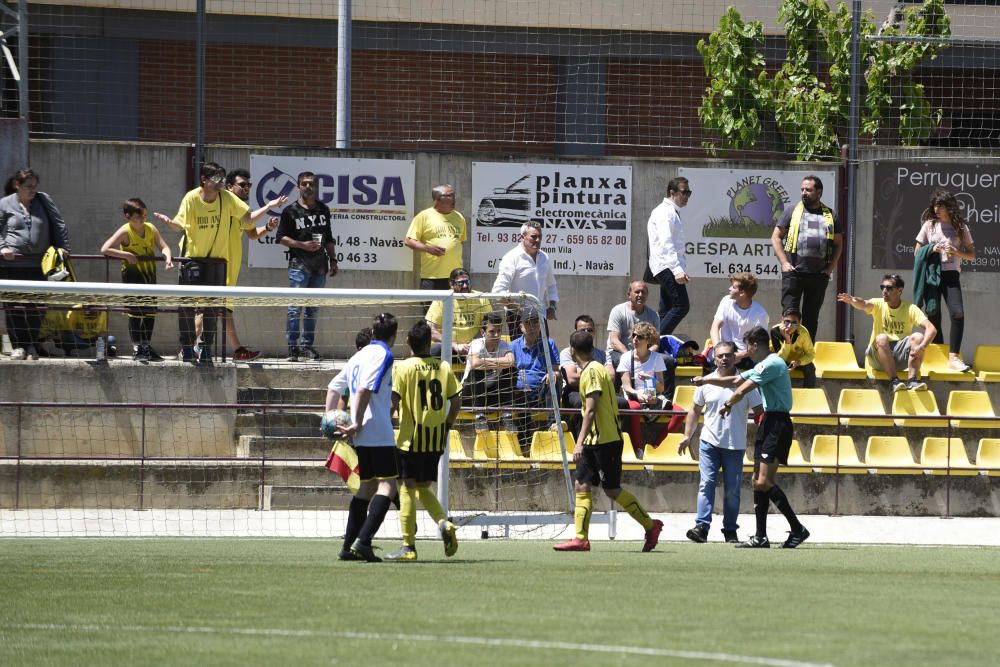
256 446
289 376
278 423
282 395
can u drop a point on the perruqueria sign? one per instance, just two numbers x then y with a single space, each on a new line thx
902 191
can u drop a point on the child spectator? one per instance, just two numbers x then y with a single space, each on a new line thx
793 344
136 240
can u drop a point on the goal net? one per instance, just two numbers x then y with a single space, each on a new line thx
99 439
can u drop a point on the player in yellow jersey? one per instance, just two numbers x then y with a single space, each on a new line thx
598 453
425 392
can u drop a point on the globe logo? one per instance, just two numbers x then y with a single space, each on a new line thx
755 206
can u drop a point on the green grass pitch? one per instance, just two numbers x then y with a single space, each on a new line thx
289 602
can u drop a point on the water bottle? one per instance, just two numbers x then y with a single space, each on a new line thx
101 356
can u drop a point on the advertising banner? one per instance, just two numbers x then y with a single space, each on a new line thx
730 217
584 212
902 192
371 205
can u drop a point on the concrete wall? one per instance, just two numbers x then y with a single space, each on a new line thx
90 180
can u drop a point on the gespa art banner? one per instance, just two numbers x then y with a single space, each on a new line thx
730 217
371 205
902 192
584 212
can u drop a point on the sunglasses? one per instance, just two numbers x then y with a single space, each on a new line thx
462 283
886 287
243 184
218 179
686 193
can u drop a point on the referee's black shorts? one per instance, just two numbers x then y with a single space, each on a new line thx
377 463
774 438
601 465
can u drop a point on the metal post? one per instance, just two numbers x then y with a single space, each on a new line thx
199 111
22 58
142 461
850 216
447 320
343 137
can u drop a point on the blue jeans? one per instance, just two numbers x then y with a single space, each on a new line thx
712 458
300 278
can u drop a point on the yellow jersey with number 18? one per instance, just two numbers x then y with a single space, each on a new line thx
424 386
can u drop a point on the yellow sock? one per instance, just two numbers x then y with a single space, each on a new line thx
631 505
407 515
430 503
581 515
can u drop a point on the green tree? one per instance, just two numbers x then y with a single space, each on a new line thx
807 100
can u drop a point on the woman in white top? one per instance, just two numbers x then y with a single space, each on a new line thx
945 228
642 372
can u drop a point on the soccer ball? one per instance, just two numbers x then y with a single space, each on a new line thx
333 419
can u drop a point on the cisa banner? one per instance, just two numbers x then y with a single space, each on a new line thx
902 192
730 217
371 205
584 211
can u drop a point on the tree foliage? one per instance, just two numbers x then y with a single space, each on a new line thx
803 108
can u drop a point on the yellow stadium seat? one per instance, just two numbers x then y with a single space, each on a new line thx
988 456
971 404
795 457
688 371
916 404
826 456
546 451
862 402
666 455
935 457
629 460
986 363
837 361
881 375
457 457
684 395
810 401
935 366
889 454
498 446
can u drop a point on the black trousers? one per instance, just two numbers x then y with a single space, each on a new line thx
806 292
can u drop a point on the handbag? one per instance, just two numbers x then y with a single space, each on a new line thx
56 265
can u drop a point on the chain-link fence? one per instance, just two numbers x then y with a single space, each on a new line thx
603 78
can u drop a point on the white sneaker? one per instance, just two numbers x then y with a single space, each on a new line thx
956 364
18 354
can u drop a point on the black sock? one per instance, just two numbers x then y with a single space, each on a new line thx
135 330
376 515
147 328
395 501
780 501
356 514
760 505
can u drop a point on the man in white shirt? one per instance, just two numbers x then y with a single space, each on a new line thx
737 314
527 268
667 261
623 318
723 443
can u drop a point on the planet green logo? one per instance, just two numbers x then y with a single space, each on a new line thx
755 205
